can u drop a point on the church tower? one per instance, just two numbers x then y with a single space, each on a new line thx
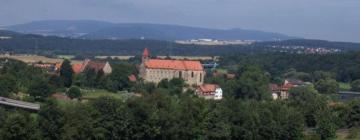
145 55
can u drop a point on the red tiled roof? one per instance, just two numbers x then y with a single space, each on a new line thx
205 88
174 64
287 86
77 68
58 66
132 78
97 66
274 87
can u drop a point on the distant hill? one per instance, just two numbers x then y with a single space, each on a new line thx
105 30
176 32
63 28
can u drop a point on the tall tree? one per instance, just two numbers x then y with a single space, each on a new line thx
52 120
7 85
253 84
40 88
327 86
66 73
355 85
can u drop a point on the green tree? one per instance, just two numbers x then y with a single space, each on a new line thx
40 88
66 73
355 85
74 92
81 123
319 75
7 85
52 120
253 84
326 127
19 127
353 115
327 86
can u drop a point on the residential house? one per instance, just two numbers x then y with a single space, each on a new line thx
95 65
282 91
209 91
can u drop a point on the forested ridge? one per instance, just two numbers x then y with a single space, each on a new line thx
344 66
51 45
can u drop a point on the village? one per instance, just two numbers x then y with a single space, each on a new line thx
154 69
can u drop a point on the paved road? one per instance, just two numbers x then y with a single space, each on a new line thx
20 104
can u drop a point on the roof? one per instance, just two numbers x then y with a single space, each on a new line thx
58 66
174 64
77 68
132 78
274 87
96 65
287 86
205 88
60 96
146 52
295 81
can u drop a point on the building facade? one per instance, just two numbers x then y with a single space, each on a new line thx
209 91
155 70
95 65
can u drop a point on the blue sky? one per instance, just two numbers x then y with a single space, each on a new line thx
319 19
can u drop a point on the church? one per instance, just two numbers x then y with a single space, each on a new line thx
155 70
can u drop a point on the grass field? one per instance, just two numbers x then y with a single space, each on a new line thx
66 56
344 86
36 58
90 94
192 57
115 57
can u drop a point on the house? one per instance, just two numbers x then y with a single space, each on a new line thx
155 70
282 91
209 91
49 67
95 65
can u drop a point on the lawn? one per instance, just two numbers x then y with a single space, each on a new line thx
344 86
90 94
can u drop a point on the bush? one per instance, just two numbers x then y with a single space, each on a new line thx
74 92
355 85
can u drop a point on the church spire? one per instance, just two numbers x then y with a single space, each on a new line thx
145 55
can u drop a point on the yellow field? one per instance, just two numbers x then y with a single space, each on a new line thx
36 58
192 57
124 57
127 57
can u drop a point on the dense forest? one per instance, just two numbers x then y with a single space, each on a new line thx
344 66
50 45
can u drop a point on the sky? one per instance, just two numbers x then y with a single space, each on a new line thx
337 20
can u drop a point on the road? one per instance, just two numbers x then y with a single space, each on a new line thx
19 104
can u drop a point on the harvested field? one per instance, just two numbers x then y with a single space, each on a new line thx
36 58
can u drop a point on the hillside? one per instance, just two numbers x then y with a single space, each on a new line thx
175 32
64 28
48 45
105 30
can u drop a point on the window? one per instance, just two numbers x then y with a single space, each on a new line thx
180 74
200 77
192 74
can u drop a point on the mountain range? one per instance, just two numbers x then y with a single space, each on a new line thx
91 29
